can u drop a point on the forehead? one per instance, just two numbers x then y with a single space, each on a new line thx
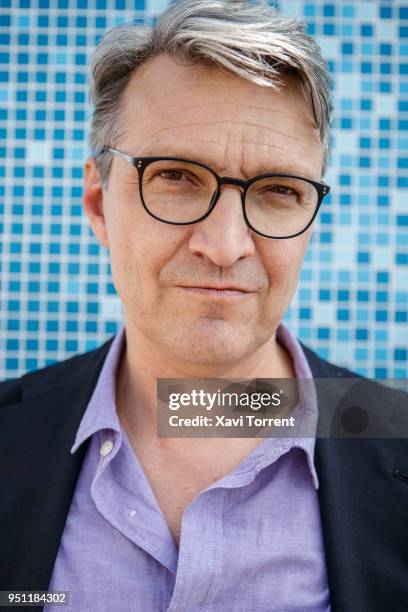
171 108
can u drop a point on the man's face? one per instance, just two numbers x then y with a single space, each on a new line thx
239 129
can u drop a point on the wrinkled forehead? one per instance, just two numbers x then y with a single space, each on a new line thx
166 101
164 86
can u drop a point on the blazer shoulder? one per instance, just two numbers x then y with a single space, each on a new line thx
45 380
10 392
321 368
356 406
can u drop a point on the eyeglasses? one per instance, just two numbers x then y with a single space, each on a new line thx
182 192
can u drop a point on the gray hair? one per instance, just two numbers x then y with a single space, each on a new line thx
251 40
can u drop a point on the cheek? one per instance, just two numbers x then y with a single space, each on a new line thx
140 249
127 252
283 263
134 264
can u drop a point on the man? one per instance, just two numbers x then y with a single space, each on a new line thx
210 141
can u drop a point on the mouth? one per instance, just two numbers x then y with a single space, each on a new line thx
218 291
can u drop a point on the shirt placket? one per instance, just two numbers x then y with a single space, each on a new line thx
135 517
200 553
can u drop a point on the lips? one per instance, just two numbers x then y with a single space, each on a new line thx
218 290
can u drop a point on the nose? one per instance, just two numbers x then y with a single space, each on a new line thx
223 237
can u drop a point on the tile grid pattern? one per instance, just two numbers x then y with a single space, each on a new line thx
56 295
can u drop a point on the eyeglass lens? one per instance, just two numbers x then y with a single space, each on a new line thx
182 192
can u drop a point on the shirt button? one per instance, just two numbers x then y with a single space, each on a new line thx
106 448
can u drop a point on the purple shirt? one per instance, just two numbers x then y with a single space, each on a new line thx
250 542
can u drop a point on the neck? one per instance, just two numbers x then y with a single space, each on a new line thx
142 363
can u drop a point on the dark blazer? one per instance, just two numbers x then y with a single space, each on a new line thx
363 492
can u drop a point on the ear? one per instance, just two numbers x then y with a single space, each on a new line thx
93 201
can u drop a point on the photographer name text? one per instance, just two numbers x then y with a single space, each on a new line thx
244 420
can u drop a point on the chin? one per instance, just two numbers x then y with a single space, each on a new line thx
211 342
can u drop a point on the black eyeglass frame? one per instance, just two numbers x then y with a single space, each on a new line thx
140 163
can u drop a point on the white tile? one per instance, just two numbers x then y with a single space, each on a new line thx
39 153
111 307
157 6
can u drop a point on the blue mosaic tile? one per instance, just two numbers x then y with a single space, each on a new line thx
352 301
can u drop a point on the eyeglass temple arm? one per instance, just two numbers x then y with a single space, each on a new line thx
128 158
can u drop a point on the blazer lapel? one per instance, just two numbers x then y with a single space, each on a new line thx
363 505
39 474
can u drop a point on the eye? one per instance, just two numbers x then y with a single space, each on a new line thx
282 189
279 189
172 174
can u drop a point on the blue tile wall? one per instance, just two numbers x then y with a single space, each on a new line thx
56 295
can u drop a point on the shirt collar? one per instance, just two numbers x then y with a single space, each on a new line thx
307 411
101 411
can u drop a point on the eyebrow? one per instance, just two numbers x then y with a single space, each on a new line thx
189 155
